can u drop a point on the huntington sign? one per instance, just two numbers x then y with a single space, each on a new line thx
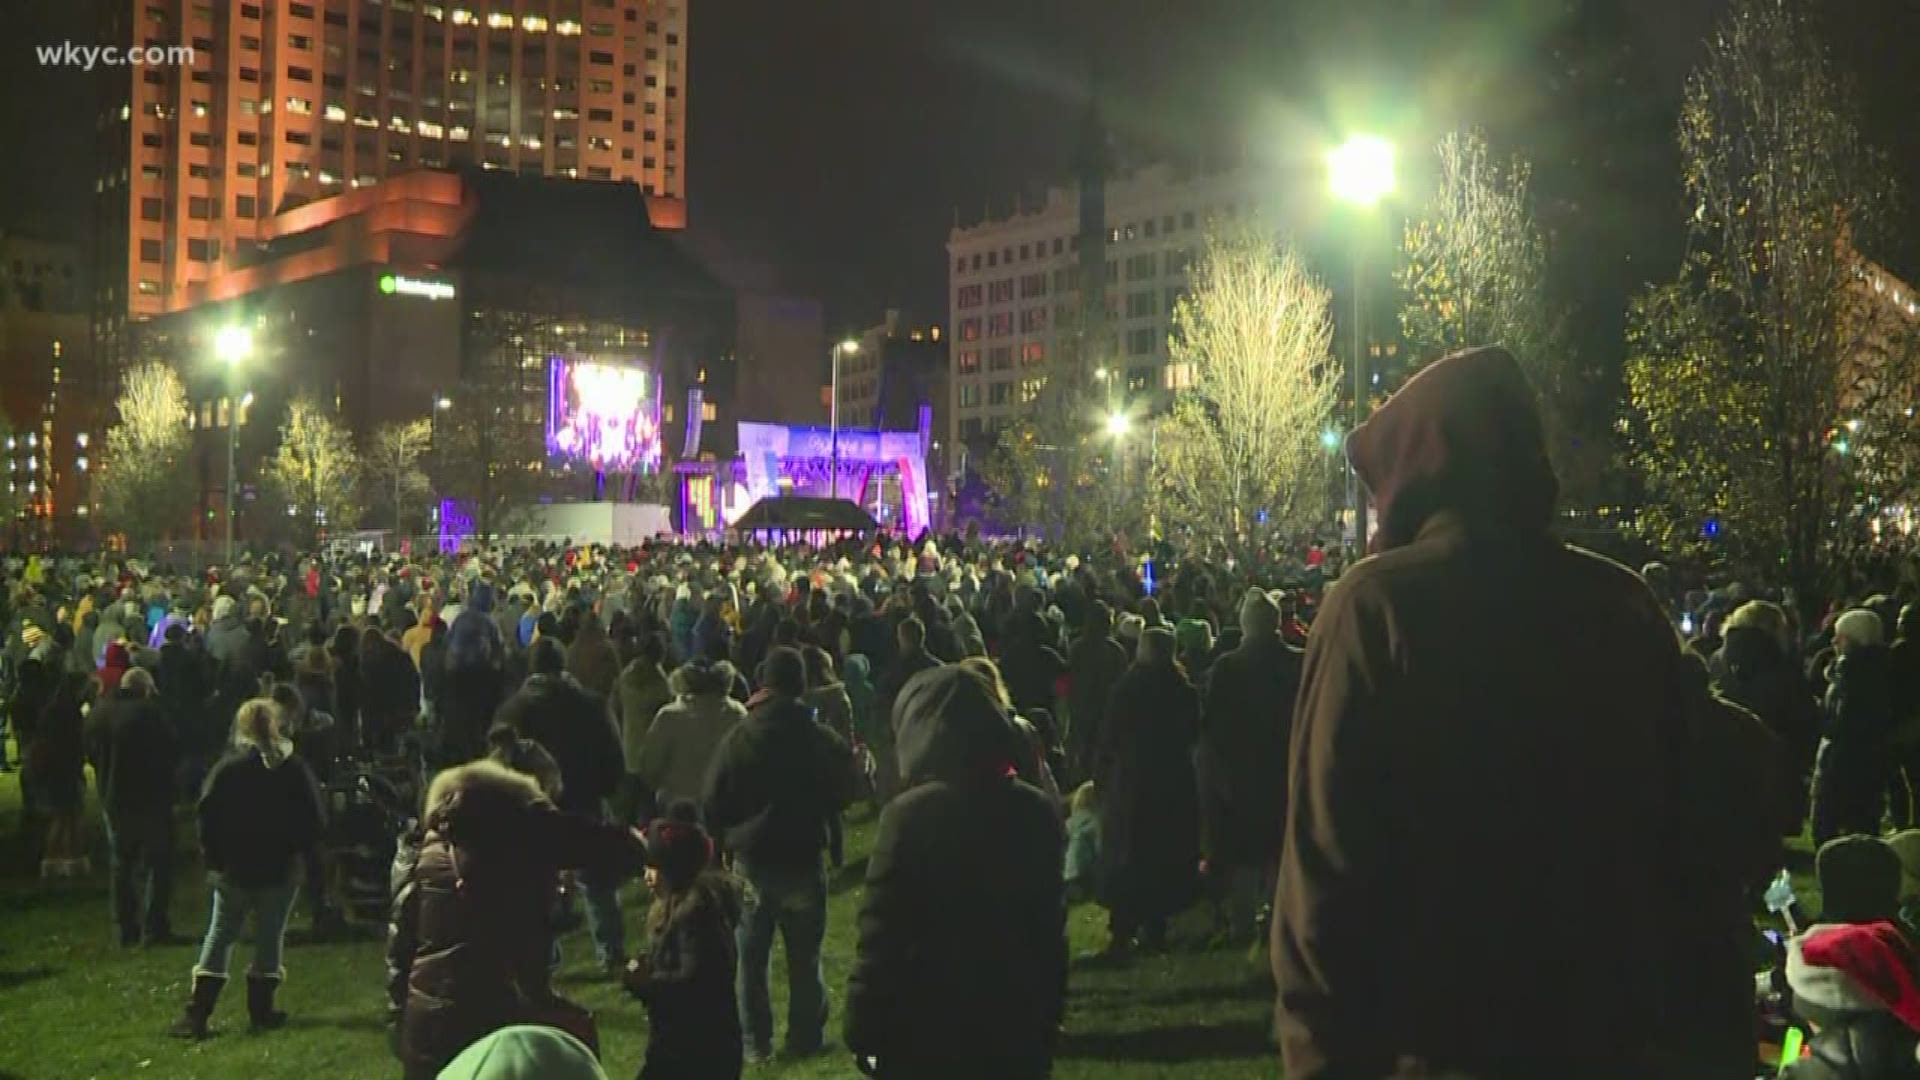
423 288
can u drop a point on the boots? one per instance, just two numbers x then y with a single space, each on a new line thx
206 993
260 1011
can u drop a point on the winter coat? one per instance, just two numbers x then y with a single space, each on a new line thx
389 694
472 637
472 697
470 939
185 684
864 701
1094 664
259 812
114 667
961 965
1758 675
832 707
133 752
1246 725
905 666
639 694
680 626
55 754
228 642
693 1021
777 782
1031 668
591 658
1457 752
1850 779
1149 801
572 724
686 734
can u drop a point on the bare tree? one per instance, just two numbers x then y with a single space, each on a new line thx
396 464
142 485
1475 273
1240 456
316 471
1768 383
1048 467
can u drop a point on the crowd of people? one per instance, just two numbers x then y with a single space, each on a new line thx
1488 804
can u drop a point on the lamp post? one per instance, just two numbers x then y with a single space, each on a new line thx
232 345
1360 173
849 346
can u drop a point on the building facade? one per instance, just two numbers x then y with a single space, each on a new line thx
455 287
286 102
51 422
1015 290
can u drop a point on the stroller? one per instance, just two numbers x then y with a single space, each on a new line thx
371 802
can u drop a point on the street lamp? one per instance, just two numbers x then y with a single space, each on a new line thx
1118 425
1360 173
849 347
232 345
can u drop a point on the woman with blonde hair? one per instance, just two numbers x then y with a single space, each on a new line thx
259 813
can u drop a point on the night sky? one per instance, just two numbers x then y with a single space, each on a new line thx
833 144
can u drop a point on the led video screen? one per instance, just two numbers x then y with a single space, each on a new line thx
606 415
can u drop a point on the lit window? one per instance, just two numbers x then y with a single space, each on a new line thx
500 20
458 133
709 412
567 28
534 24
462 17
1179 376
336 114
429 129
299 106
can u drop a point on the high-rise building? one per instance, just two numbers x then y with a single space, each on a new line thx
286 102
1015 289
50 422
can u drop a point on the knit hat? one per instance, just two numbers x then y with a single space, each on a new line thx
1193 636
1130 627
1259 615
31 636
1906 848
677 846
1859 880
223 606
525 1052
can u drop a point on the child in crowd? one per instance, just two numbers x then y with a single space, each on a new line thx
686 976
1083 843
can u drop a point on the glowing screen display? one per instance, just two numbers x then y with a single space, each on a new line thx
607 415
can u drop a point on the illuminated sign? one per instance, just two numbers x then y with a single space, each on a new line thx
402 285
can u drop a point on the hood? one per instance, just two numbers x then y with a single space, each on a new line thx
859 669
480 599
1464 436
948 726
1749 650
118 657
1865 967
703 677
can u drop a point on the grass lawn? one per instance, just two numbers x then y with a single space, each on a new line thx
74 1005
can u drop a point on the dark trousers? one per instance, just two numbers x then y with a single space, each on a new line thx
140 847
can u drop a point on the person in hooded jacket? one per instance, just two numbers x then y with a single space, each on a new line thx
1246 724
591 658
826 694
1149 802
1851 778
471 940
1903 657
1094 664
961 966
133 753
227 641
687 732
1759 672
776 786
554 710
1434 780
639 694
259 813
389 690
